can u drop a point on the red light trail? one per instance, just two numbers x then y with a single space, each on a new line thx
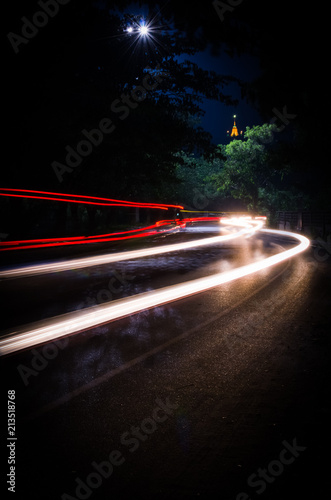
78 321
79 240
71 198
245 229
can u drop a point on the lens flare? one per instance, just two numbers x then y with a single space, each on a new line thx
143 30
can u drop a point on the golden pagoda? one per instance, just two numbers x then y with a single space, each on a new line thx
234 132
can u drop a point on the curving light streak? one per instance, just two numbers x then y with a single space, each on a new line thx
82 199
82 240
83 320
99 238
133 254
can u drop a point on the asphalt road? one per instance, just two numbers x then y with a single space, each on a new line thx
222 395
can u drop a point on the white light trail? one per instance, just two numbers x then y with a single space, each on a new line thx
83 320
133 254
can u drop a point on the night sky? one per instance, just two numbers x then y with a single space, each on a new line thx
93 113
50 85
219 117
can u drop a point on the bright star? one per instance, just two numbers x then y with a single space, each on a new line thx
143 30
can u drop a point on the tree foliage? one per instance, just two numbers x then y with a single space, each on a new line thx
245 170
194 188
251 175
70 85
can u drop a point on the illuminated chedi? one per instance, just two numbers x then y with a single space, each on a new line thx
234 131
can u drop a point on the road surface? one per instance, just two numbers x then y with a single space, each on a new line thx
223 394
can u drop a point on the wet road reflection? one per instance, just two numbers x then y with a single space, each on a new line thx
36 298
87 360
